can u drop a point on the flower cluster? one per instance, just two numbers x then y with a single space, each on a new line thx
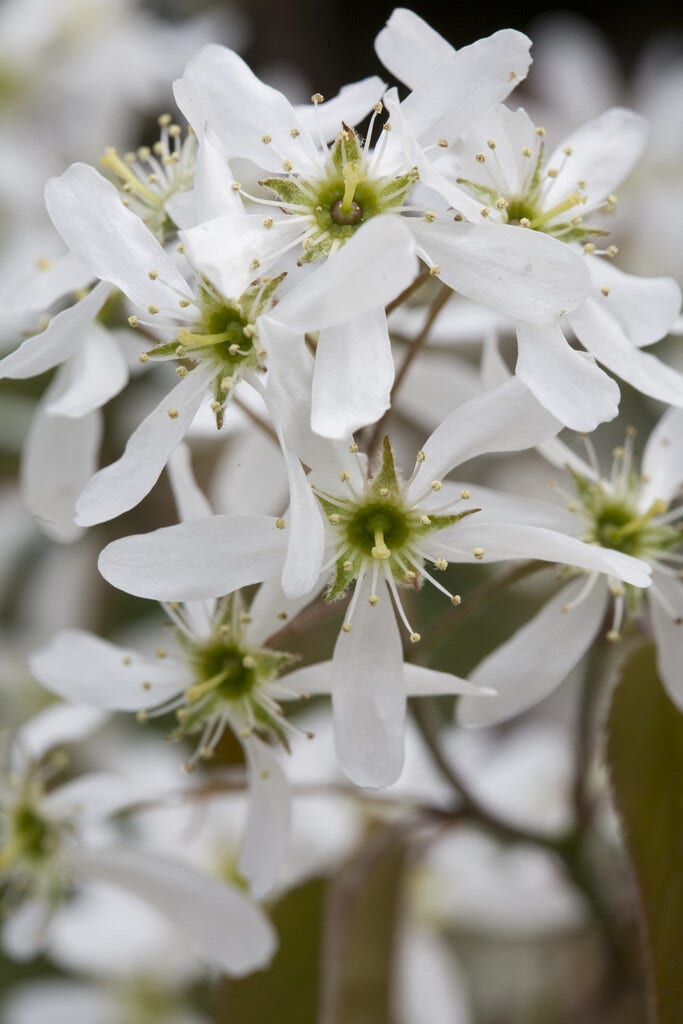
276 256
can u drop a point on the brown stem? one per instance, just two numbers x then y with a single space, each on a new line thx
407 292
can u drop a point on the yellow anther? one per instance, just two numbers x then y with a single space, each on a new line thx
479 553
266 139
143 358
466 494
525 151
335 519
181 371
480 158
153 310
280 524
373 600
161 652
612 250
346 628
605 291
414 638
133 321
317 98
248 662
435 485
172 414
347 566
440 563
153 275
425 520
589 248
164 120
442 143
353 448
435 270
456 599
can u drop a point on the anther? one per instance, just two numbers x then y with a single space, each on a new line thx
440 563
133 321
346 628
335 519
612 250
589 248
414 638
280 524
153 275
605 291
153 310
317 98
456 599
373 600
172 414
143 358
435 270
435 485
248 662
466 494
425 521
479 553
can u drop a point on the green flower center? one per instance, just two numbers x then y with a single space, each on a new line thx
377 529
226 670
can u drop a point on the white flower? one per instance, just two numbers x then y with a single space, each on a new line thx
629 513
45 849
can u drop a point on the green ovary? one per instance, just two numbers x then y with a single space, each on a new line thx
220 668
374 521
340 222
621 527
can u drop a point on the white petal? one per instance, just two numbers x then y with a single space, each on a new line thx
538 657
270 610
566 382
662 464
95 374
410 49
305 533
219 89
602 335
500 507
190 501
524 274
214 195
55 726
666 609
224 249
318 678
62 338
361 278
43 1002
502 541
646 307
561 456
369 696
505 419
121 485
426 682
217 920
354 372
89 214
24 930
266 835
199 559
352 103
288 396
88 670
603 151
41 290
60 456
466 85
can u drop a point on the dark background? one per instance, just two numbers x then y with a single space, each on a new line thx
331 40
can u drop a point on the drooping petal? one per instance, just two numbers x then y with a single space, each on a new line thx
85 669
94 375
427 682
266 835
357 280
305 533
604 338
603 151
353 375
505 419
568 383
662 464
646 307
410 48
502 541
666 609
369 696
198 559
524 274
462 88
60 456
112 241
121 485
288 397
538 657
60 340
215 918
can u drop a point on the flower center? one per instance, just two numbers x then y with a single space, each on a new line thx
377 529
347 192
149 177
225 670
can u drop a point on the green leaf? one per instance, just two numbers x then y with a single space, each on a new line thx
645 753
360 932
